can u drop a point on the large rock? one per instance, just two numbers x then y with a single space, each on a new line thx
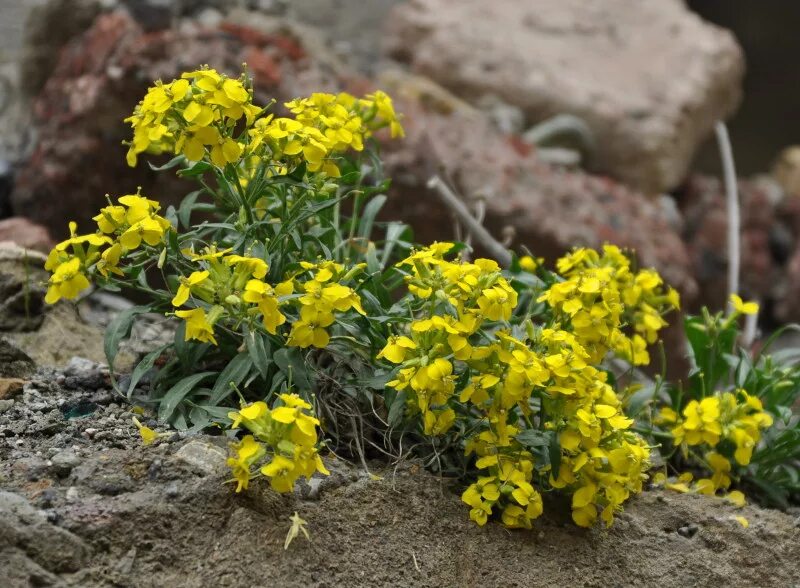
25 233
649 77
706 231
99 78
530 203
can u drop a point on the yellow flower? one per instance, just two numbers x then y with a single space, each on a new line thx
280 472
396 349
248 451
185 287
742 307
67 281
150 230
736 497
148 435
701 423
528 264
197 327
439 422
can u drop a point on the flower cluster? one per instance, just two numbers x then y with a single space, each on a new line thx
461 360
122 228
198 115
286 434
194 116
232 289
601 295
725 427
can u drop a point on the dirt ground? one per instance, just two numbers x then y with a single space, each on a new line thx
83 503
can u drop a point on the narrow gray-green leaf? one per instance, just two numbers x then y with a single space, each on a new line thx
177 393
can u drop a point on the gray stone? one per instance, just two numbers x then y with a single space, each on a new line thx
5 405
14 362
80 366
649 77
203 457
64 461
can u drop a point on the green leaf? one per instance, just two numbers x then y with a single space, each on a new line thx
177 393
236 371
258 347
118 329
144 366
186 207
534 438
397 409
394 231
290 361
197 169
373 265
368 215
174 162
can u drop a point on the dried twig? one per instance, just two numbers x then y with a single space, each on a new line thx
494 248
732 205
734 227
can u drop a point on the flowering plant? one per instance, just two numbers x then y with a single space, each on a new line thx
732 422
290 294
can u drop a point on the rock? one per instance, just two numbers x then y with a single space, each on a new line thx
6 405
11 387
26 234
14 363
36 547
15 504
72 494
22 288
6 186
49 26
63 462
667 76
87 374
786 171
688 531
203 457
102 73
81 367
542 207
705 233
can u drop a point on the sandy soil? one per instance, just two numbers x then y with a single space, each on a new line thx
85 504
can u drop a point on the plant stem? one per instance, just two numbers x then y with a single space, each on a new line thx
492 246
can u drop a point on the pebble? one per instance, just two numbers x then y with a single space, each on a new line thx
90 432
688 531
6 405
171 490
63 463
47 497
72 494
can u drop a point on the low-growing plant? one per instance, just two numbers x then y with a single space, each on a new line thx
731 423
297 309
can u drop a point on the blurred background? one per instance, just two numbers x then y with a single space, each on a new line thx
561 122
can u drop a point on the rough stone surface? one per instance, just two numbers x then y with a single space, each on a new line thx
14 362
128 514
787 171
22 290
203 456
48 27
705 232
650 78
11 387
544 208
26 234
